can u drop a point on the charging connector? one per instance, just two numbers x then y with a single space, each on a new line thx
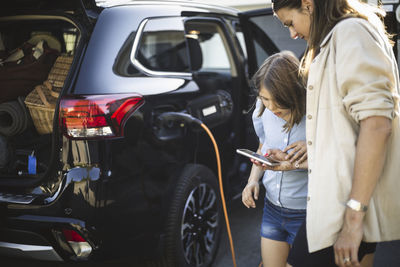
179 116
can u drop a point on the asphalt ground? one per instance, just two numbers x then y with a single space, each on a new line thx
245 228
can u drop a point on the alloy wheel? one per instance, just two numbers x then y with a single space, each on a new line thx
199 224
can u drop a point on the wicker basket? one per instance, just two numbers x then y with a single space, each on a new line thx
41 104
42 100
59 71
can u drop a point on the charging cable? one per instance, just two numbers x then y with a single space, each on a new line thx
191 119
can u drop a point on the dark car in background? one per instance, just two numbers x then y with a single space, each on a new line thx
99 171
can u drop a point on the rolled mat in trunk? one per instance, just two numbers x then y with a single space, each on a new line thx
14 118
4 154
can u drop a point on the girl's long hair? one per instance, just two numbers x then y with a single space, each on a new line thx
279 74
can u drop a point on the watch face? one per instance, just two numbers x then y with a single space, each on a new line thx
355 205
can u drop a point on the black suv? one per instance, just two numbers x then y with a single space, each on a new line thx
110 171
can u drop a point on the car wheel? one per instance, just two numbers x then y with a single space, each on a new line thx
195 219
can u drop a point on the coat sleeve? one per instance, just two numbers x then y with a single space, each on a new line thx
365 70
257 122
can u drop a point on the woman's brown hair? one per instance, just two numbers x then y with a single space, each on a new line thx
279 74
326 14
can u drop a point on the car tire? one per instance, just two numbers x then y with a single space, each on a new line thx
194 221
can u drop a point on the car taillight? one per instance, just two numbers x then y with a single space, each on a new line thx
97 115
79 245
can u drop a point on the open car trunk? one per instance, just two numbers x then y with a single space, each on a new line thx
36 54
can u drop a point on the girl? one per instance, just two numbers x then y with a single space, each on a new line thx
352 130
278 121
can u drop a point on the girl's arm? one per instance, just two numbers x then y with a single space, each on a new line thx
368 166
252 189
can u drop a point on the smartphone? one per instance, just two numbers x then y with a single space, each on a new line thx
258 157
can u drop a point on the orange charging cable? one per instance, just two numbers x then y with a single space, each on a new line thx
228 228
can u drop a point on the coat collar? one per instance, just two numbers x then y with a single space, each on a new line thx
327 38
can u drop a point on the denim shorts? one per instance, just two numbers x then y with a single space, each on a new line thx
281 224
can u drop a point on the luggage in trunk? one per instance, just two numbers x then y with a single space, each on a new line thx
32 76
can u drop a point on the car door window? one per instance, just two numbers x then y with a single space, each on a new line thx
162 46
214 51
170 46
265 35
279 34
212 44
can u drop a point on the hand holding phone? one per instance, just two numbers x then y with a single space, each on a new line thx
258 157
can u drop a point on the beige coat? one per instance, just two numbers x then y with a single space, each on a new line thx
353 77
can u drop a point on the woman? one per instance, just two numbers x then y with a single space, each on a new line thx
278 121
352 130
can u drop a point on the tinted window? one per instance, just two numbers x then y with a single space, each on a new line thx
261 53
279 34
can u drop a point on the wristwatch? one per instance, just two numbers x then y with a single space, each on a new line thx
356 205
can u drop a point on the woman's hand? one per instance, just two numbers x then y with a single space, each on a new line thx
298 153
371 149
284 165
349 239
276 154
250 193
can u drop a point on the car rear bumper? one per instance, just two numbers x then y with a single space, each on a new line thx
41 238
36 252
